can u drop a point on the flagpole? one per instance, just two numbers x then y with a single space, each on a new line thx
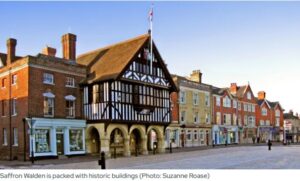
151 34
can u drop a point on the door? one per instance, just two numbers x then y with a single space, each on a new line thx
60 144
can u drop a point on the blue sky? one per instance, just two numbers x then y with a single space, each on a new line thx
256 42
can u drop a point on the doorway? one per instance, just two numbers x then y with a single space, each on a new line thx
60 143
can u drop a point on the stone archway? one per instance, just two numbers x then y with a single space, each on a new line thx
135 142
94 146
116 142
156 139
118 139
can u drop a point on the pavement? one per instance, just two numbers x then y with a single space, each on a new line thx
218 157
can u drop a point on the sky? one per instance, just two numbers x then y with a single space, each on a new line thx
230 42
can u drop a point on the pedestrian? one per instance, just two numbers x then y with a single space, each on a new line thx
253 139
258 138
269 144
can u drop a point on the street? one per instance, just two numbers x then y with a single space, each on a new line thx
240 157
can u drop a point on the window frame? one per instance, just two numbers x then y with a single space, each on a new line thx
46 99
46 78
73 85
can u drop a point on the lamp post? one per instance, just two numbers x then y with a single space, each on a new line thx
31 123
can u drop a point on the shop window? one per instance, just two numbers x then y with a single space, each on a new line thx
42 140
76 140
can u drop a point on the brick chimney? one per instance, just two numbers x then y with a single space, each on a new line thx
261 95
233 88
69 46
196 76
11 50
49 51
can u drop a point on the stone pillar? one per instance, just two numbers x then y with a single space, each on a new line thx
104 146
126 147
144 148
160 145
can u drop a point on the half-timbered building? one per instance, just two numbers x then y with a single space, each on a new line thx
126 98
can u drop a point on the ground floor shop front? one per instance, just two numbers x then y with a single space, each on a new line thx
125 139
54 137
223 134
266 133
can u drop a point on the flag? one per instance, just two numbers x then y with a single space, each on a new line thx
151 14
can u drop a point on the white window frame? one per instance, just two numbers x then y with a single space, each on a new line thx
245 107
182 115
253 108
277 113
234 104
261 122
14 107
207 118
218 118
14 79
207 101
195 137
71 110
268 123
16 140
70 82
48 78
182 97
195 98
46 99
277 121
196 117
249 96
189 135
5 137
264 111
218 101
226 102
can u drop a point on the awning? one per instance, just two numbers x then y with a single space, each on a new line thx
49 95
70 98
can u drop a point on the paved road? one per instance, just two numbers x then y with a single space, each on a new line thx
243 157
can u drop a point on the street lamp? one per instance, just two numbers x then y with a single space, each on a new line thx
31 123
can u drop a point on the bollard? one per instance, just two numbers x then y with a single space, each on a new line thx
170 147
226 143
101 162
213 143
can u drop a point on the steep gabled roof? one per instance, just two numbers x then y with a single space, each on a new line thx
241 91
262 101
108 62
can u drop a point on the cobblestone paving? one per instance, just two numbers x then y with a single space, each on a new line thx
243 157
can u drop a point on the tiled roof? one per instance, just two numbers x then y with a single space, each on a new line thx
241 90
108 62
2 59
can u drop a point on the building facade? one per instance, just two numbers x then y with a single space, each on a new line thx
269 119
193 110
40 93
246 116
225 128
126 98
291 127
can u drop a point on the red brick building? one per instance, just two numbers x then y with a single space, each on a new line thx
269 119
44 90
225 125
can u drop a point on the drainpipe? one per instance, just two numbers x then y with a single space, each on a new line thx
9 113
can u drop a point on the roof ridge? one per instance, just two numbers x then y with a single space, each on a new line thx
115 44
